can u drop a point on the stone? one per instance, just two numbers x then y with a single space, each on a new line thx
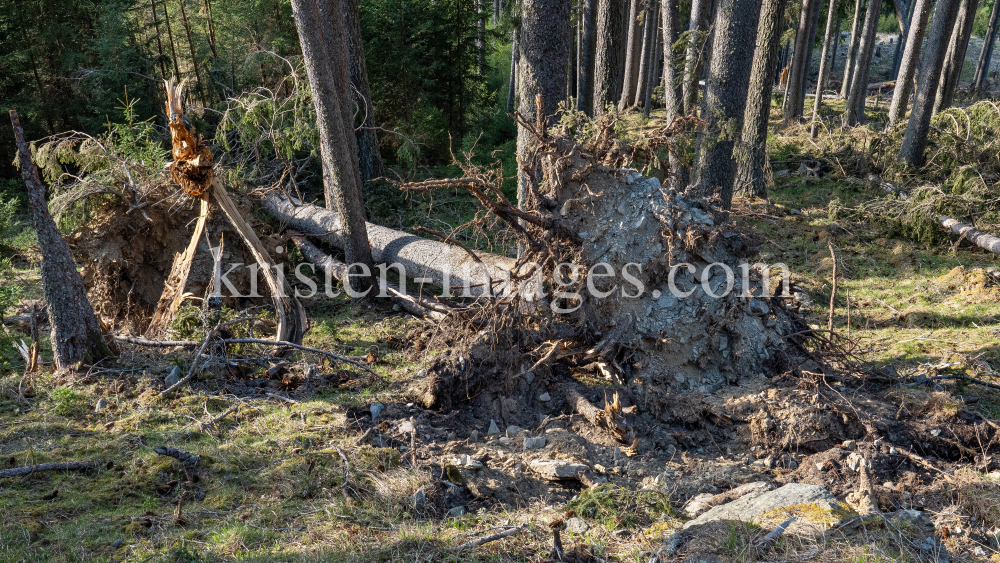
101 405
919 520
474 436
494 429
452 436
534 443
456 512
759 308
576 526
117 543
555 470
513 430
936 432
376 409
698 504
173 376
419 499
810 503
544 397
849 444
406 427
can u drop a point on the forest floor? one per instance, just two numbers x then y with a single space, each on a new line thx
270 483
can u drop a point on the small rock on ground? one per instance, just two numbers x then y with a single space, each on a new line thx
534 443
494 429
554 469
813 503
173 376
576 526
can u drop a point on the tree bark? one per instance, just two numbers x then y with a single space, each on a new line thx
609 64
795 91
733 44
159 44
194 56
983 66
952 72
170 38
369 155
515 56
911 151
700 12
670 12
824 63
632 54
324 49
855 111
908 63
752 149
852 50
979 238
652 66
76 334
649 33
211 29
833 55
588 48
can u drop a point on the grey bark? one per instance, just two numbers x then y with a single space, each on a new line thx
735 35
609 64
64 466
979 238
515 56
652 66
632 54
959 44
752 149
670 14
76 334
795 91
914 143
855 111
852 50
908 63
544 46
588 48
833 55
700 12
983 66
323 40
824 62
650 26
903 18
369 155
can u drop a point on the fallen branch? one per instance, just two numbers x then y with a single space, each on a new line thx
347 468
194 364
772 537
494 537
979 238
189 460
29 469
962 377
608 418
296 346
213 421
833 292
156 343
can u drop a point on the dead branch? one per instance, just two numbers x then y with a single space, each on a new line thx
279 343
213 421
833 291
772 537
190 461
347 468
962 377
194 364
494 537
609 418
156 343
979 238
29 469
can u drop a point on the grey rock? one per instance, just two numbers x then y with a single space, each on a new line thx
173 376
376 409
534 443
750 507
698 504
117 543
474 436
513 430
577 526
920 520
759 308
494 429
101 405
406 427
456 512
555 470
849 444
544 397
419 499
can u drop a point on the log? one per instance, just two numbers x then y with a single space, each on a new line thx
173 289
979 238
425 261
29 469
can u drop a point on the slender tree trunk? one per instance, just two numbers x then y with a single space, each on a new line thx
649 33
159 44
545 29
170 38
751 151
903 19
908 63
369 155
632 54
795 91
211 29
515 56
323 38
76 333
735 36
700 12
952 72
982 67
824 63
574 62
653 63
855 112
609 63
911 151
588 48
670 13
852 50
813 28
833 55
194 56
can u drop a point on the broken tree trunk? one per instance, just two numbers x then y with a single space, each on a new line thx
173 289
979 238
76 332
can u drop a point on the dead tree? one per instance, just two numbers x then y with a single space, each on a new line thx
609 63
852 50
908 64
911 151
854 114
76 332
323 39
795 92
983 66
952 71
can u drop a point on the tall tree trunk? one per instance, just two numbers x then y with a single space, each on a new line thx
903 15
515 56
76 333
855 112
824 63
545 29
983 66
852 49
670 13
194 56
588 48
159 44
653 63
751 152
632 54
700 12
609 63
369 155
908 63
795 91
649 32
833 54
911 151
320 24
813 28
735 36
952 72
170 38
211 28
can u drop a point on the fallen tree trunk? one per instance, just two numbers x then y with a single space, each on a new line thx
427 261
979 238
